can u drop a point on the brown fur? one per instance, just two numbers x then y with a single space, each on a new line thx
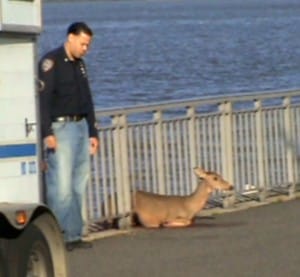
155 210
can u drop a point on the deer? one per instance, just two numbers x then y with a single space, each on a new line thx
157 210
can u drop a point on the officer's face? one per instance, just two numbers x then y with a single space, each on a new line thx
79 44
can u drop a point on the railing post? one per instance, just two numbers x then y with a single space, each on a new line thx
259 123
121 168
226 130
290 145
157 116
192 143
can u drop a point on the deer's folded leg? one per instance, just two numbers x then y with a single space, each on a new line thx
149 222
179 222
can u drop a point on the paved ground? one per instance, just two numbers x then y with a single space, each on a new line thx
257 242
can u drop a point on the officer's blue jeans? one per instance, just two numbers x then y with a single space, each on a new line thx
67 176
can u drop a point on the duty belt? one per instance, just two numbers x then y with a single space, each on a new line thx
68 118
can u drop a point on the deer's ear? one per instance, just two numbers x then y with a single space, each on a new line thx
201 173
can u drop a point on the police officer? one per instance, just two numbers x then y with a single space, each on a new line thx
69 130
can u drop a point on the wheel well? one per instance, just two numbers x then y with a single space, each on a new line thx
42 235
9 231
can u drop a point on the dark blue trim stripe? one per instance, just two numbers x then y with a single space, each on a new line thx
17 150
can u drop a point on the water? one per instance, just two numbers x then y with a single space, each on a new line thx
153 51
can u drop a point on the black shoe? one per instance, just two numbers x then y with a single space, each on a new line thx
70 246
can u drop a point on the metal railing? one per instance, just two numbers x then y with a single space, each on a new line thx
250 139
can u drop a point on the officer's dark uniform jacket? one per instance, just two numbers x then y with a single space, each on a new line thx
64 90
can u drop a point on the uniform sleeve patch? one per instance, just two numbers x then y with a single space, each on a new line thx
41 85
47 64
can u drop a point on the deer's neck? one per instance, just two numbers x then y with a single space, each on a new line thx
199 197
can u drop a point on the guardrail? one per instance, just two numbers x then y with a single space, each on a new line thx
250 139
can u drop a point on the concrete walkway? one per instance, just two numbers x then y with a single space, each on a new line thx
257 242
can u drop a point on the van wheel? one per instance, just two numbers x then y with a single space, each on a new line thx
35 254
3 270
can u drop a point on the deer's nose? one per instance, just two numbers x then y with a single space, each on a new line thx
231 187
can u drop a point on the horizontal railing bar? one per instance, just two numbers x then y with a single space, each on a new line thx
263 95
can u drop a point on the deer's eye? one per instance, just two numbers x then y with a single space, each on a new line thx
215 178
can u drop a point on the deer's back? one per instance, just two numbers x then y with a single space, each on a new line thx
156 203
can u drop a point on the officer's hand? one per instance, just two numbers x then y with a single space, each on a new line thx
94 144
50 142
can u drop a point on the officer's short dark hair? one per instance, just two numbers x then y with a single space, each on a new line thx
79 27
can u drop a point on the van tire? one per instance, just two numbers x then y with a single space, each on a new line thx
3 269
35 255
